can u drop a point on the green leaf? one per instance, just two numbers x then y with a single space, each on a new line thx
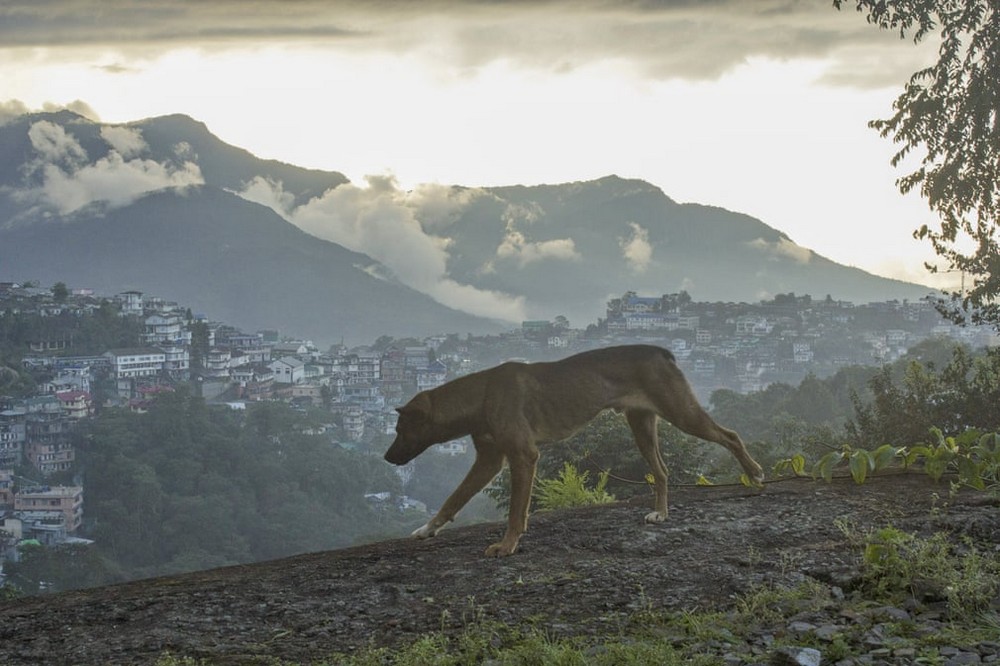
916 453
970 474
860 463
883 456
824 468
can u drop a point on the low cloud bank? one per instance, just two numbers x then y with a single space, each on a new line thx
393 227
67 180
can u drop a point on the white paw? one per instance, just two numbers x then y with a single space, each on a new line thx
425 531
655 517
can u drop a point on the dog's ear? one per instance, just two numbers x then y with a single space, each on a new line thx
420 404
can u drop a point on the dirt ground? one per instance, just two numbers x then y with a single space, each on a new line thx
577 570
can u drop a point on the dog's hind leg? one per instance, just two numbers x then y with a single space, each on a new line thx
695 421
643 425
523 460
486 466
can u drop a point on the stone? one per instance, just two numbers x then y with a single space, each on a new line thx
796 656
800 627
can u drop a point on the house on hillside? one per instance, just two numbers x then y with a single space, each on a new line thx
137 362
60 504
288 370
130 303
13 432
166 329
75 404
432 376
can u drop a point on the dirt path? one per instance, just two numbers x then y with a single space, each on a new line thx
576 570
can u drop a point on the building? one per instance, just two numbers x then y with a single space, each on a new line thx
432 376
6 489
354 423
166 329
13 434
288 370
136 363
130 303
65 502
75 404
47 445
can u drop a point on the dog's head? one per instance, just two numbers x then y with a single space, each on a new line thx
414 430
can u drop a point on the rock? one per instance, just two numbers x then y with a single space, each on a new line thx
796 656
828 632
801 627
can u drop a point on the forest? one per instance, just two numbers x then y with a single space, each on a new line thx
189 486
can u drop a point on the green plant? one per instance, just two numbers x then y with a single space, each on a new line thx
861 462
896 563
570 489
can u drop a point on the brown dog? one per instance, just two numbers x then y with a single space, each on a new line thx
510 408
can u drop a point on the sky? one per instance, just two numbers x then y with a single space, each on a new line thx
757 106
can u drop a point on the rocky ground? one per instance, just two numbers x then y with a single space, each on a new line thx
578 571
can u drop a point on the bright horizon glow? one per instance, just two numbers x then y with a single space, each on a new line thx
770 137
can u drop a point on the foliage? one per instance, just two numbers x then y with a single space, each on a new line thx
187 486
898 564
570 489
949 112
963 395
63 567
92 333
973 457
782 421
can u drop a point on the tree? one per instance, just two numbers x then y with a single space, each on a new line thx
949 111
60 292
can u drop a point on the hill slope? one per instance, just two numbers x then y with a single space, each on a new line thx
578 572
150 206
569 247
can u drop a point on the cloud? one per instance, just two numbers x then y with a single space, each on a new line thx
782 248
439 206
69 181
13 108
636 249
267 192
517 247
677 39
381 221
54 144
127 141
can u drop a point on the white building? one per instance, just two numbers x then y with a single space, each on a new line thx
138 362
288 370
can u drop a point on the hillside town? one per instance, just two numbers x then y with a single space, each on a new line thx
736 346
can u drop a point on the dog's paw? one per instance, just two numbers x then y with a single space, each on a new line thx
655 517
425 532
500 549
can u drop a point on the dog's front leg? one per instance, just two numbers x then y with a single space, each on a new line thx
486 466
522 476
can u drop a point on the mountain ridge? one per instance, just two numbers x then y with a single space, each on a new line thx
507 253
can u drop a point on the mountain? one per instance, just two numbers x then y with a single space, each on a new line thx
197 243
572 246
163 206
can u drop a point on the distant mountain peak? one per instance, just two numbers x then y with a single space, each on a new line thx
535 251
